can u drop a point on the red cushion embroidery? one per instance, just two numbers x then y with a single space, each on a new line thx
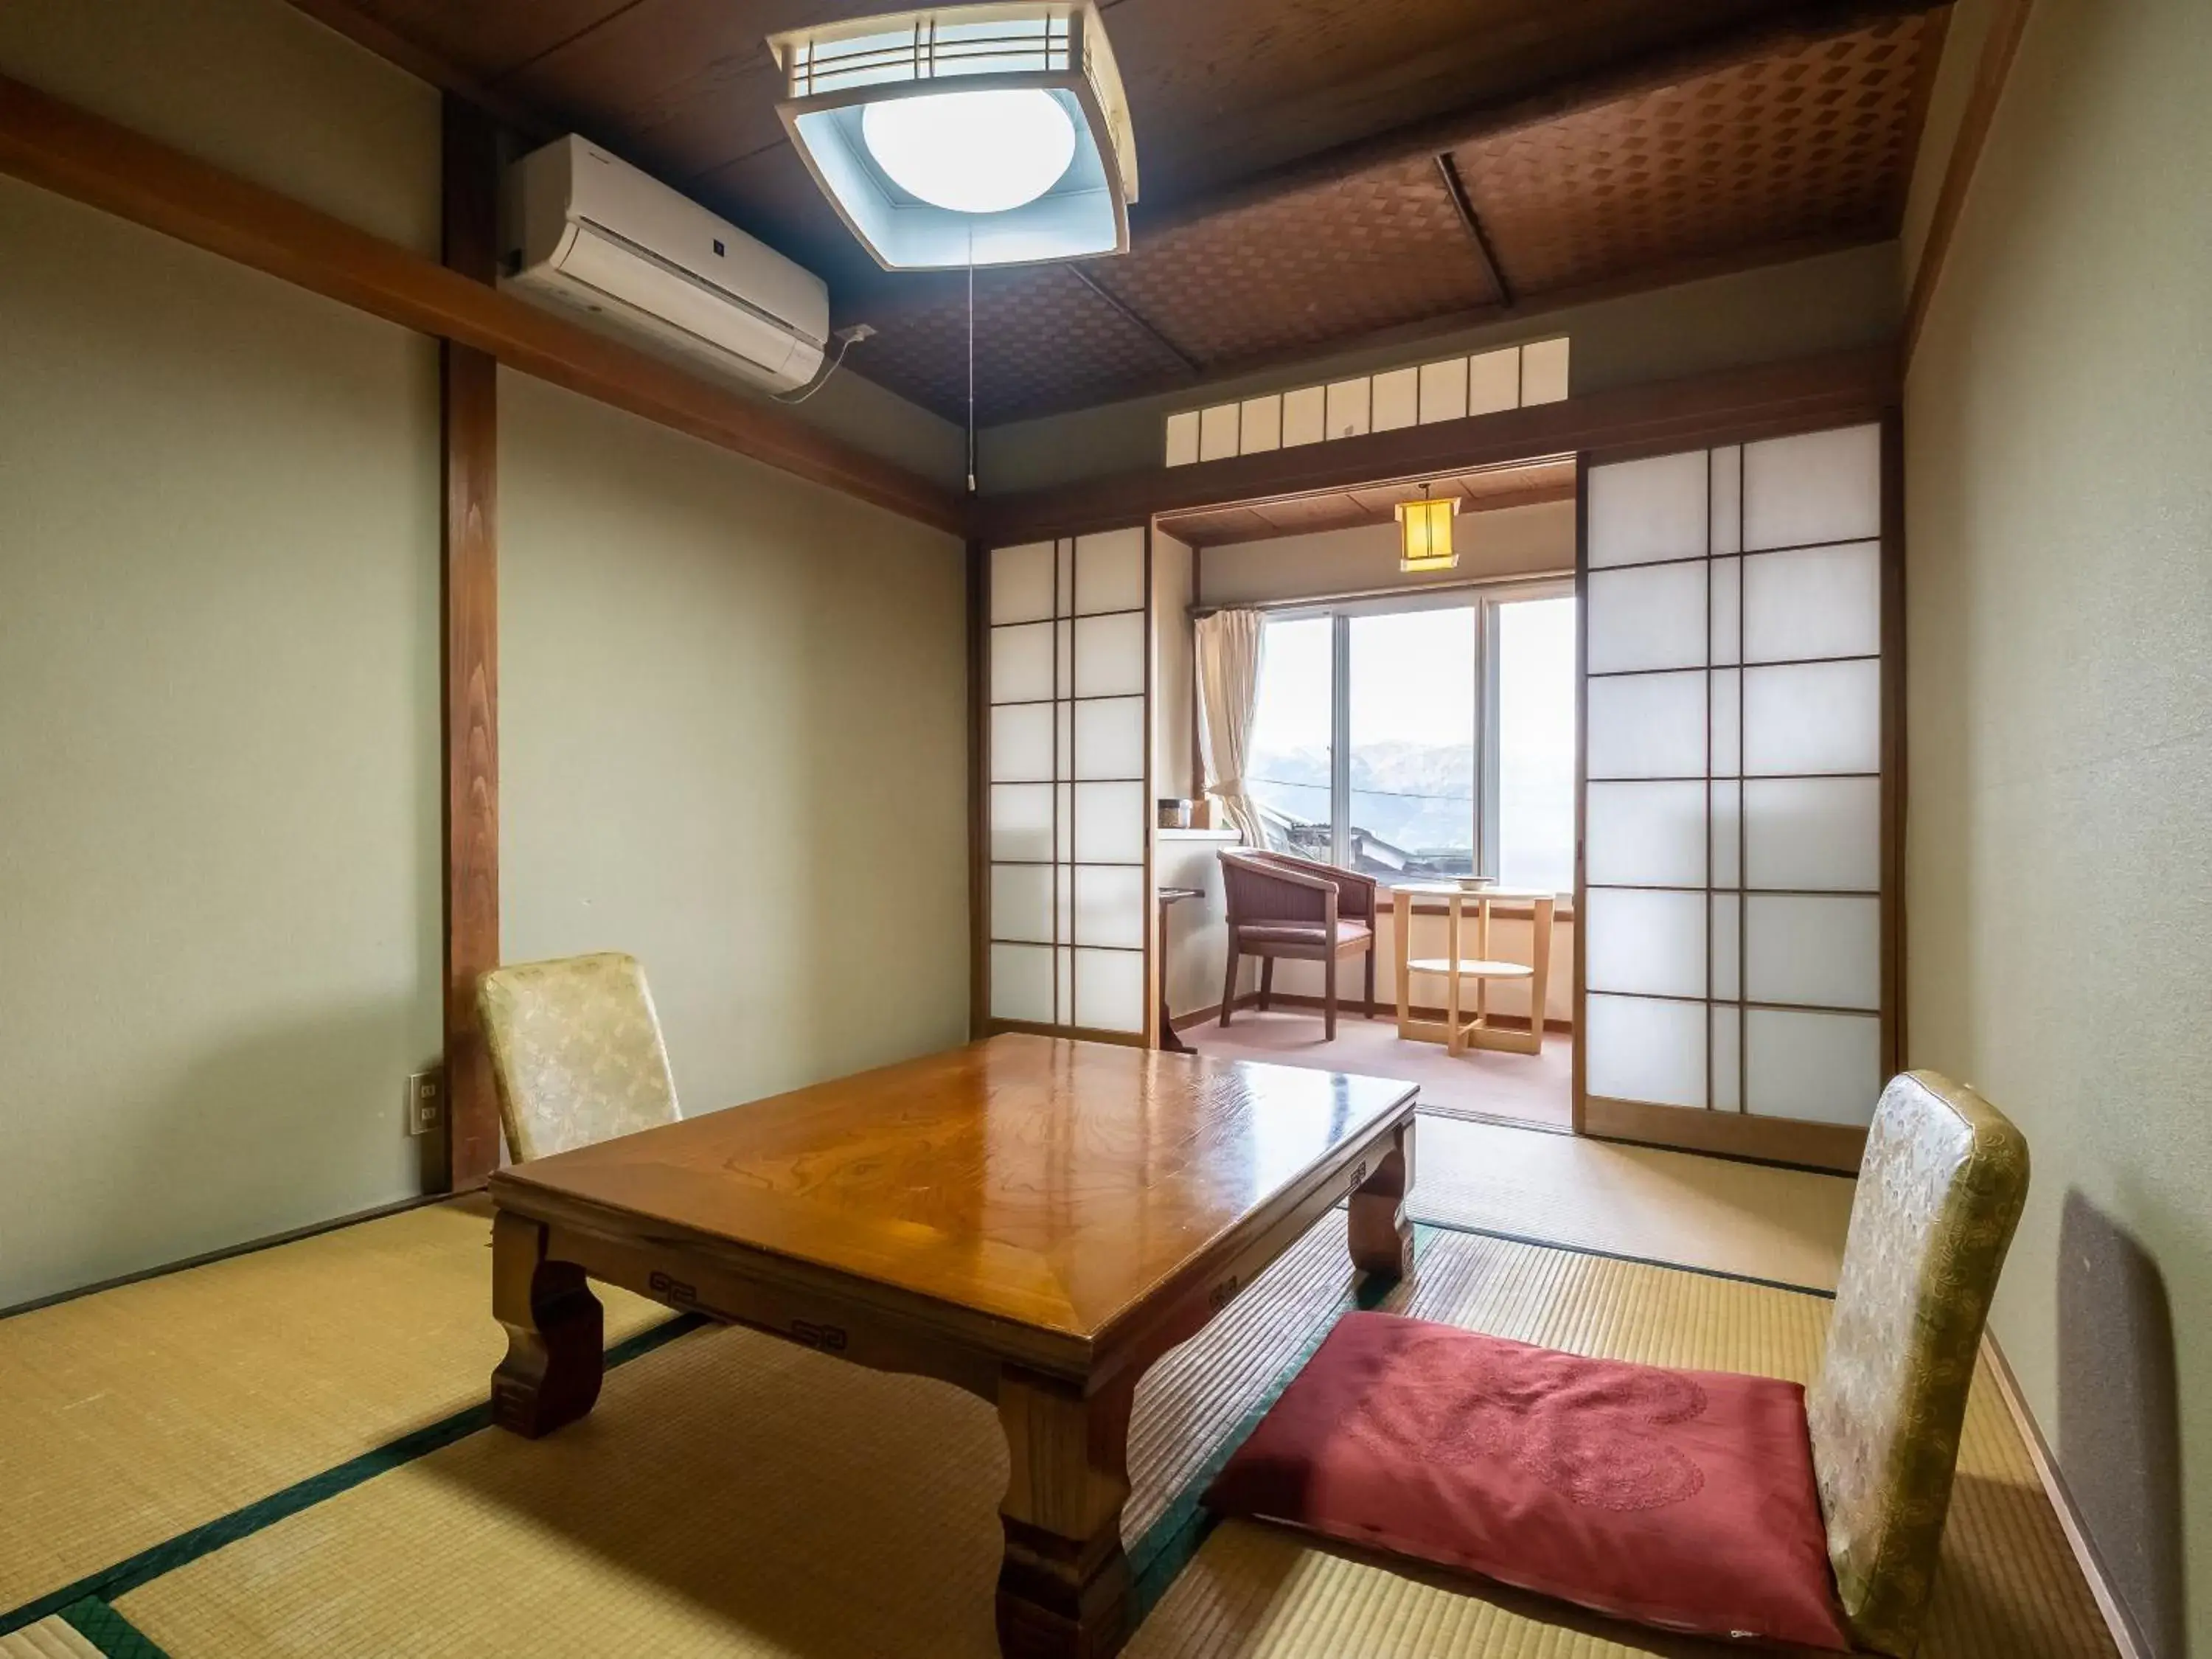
1680 1499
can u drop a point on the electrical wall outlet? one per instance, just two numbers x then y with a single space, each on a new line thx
426 1102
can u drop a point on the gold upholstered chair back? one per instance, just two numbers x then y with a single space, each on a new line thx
1939 1193
575 1051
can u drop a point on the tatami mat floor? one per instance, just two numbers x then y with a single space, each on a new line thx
130 1416
732 1495
1714 1213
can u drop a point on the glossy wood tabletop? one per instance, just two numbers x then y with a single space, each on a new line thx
1054 1183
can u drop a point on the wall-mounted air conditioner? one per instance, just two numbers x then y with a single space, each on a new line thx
595 234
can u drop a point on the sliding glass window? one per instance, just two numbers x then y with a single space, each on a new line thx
1425 737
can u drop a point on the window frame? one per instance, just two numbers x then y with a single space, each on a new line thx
1484 599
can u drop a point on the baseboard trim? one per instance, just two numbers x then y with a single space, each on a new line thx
289 1236
1829 1148
1383 1011
2125 1636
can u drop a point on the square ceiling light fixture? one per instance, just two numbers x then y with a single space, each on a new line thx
987 135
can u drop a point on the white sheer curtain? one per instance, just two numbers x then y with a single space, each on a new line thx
1230 643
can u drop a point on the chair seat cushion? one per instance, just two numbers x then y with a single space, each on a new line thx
1678 1499
1300 932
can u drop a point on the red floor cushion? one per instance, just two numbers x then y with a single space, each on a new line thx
1679 1499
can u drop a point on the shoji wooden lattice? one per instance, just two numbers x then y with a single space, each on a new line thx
1069 810
1733 807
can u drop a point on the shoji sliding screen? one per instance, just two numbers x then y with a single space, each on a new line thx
1068 812
1735 927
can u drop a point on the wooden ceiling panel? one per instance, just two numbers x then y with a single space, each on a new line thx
486 38
1224 89
1365 253
1292 200
673 87
1811 141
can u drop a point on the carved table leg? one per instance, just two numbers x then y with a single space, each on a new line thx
1382 1238
556 1331
1064 1587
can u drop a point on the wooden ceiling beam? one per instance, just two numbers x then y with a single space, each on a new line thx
1463 204
1765 400
2008 23
52 144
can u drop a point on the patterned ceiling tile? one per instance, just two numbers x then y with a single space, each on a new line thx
1805 142
1371 252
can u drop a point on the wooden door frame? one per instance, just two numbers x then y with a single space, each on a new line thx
1767 400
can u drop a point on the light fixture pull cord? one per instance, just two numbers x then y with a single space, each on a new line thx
971 360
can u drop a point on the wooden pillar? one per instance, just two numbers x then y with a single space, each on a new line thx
470 602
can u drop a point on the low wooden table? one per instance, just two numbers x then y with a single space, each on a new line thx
1457 1035
1033 1219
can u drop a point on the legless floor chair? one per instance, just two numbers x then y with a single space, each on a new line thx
1726 1505
576 1053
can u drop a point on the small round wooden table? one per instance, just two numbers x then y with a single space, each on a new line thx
1456 1035
1169 1041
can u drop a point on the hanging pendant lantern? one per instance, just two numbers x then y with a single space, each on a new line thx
977 134
1424 533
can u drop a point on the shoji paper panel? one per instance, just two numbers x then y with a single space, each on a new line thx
1183 438
1110 737
1110 905
1822 487
1021 744
1646 942
1443 390
1824 1068
1216 431
1822 833
1648 726
1640 511
1732 826
1647 617
1646 835
1021 821
1110 572
1021 903
1069 826
1643 1049
1812 717
1109 990
1108 823
1021 583
1259 425
1813 602
1824 950
1022 662
1110 655
1021 982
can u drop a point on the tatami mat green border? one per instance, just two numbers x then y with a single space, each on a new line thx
1621 1255
151 1563
109 1630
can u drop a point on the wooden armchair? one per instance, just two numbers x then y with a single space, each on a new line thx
1282 906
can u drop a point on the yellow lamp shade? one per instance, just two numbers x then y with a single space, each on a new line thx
1424 533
